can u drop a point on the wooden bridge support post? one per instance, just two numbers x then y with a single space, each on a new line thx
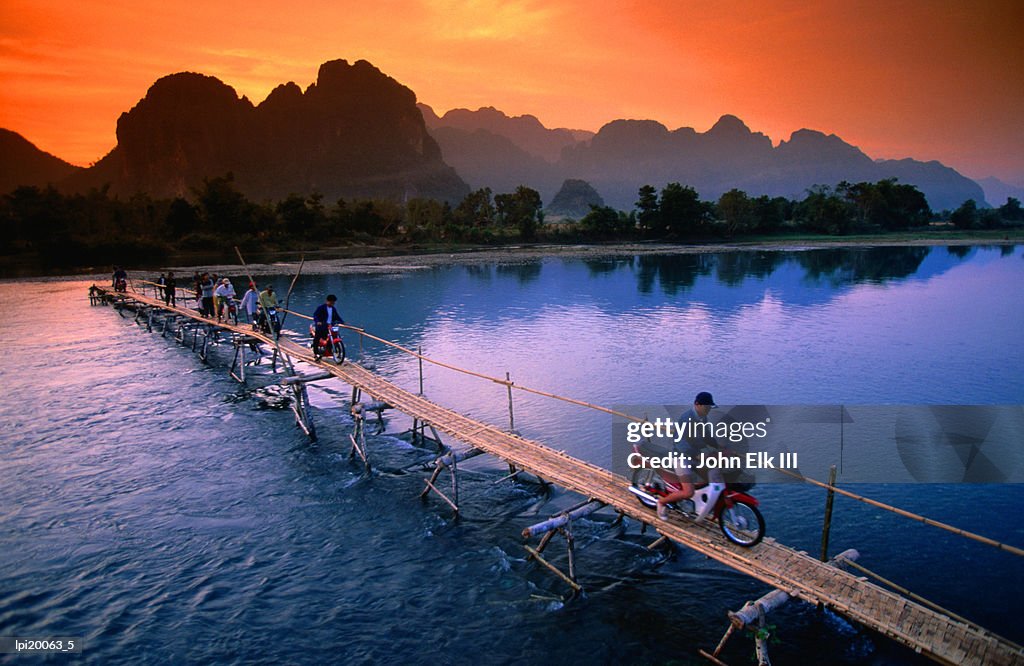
827 525
179 332
419 357
511 412
204 351
238 362
752 615
300 406
358 436
561 523
450 461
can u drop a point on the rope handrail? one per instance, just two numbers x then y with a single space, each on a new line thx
908 514
504 382
299 314
496 380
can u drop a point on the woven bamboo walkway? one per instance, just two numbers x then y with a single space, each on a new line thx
927 632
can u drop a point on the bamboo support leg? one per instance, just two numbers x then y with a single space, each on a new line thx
455 508
761 637
437 438
657 542
571 549
454 469
300 406
545 540
433 477
237 370
555 570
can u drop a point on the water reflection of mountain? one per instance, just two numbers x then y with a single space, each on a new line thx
405 303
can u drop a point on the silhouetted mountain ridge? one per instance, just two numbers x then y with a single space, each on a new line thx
625 154
22 163
357 132
353 132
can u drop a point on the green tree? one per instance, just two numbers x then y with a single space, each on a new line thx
1011 210
736 209
182 218
296 218
771 212
648 212
966 216
824 211
426 218
36 217
606 221
523 209
886 204
682 211
475 210
222 208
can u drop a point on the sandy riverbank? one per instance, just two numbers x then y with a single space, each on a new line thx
369 260
520 253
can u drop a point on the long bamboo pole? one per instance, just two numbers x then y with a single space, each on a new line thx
908 514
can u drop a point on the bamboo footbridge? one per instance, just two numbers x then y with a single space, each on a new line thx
938 635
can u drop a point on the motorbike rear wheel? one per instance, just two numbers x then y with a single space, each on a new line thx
645 479
742 524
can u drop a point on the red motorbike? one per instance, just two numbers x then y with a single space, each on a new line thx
735 511
329 345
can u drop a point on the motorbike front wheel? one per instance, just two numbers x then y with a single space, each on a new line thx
339 352
742 524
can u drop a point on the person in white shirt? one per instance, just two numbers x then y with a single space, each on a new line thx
250 301
223 294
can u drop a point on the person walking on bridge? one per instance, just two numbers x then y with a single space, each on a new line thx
250 301
224 295
206 287
170 290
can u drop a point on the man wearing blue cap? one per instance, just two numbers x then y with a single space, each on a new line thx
690 447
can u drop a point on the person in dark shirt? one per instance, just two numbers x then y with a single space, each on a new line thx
323 317
170 290
690 447
120 279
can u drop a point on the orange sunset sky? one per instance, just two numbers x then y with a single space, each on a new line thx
928 79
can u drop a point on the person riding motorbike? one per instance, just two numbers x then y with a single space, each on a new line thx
703 403
323 318
268 301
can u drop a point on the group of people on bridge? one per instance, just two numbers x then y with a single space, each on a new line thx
216 298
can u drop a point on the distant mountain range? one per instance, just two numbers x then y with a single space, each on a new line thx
997 192
22 163
357 132
490 149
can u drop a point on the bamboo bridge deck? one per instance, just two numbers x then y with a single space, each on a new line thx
933 634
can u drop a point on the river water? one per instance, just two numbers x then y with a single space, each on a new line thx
154 507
